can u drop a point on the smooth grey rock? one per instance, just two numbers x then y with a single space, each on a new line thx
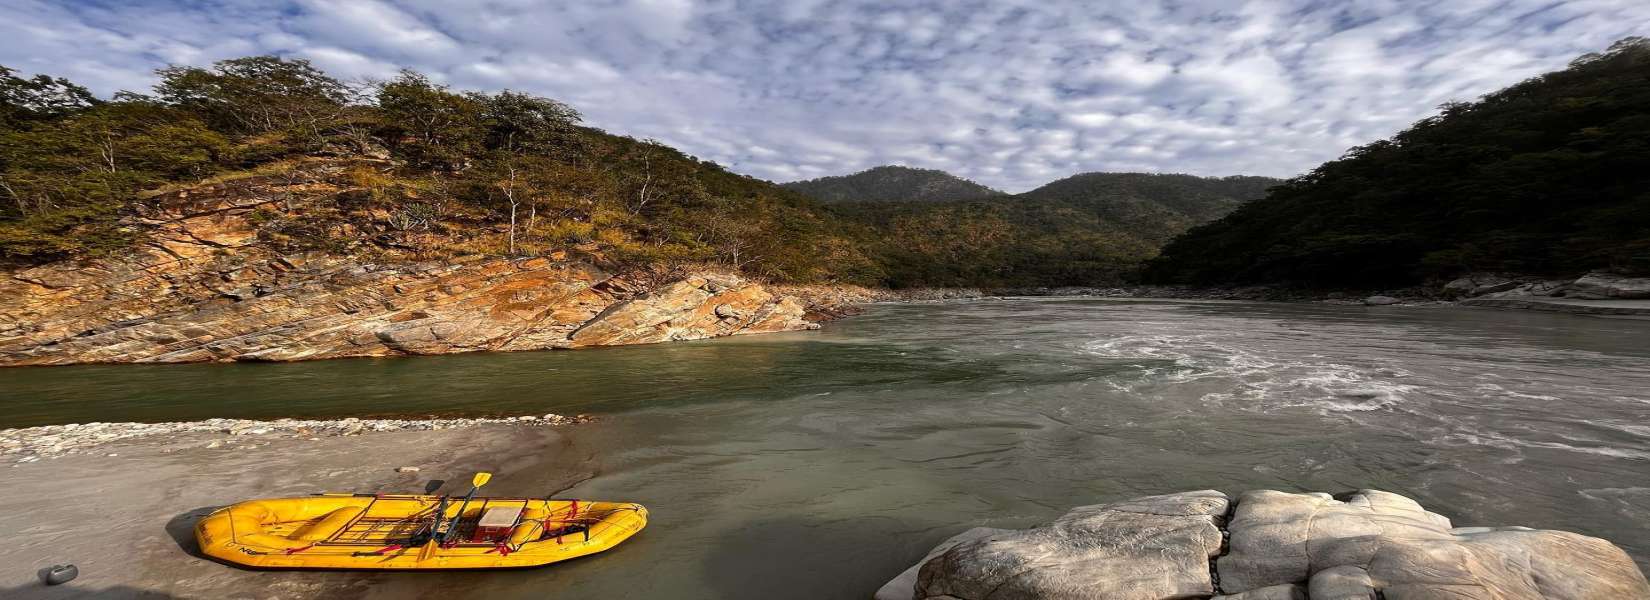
904 586
1342 583
1382 541
1608 286
1268 544
1380 301
1491 288
1460 287
1282 546
1276 592
1144 549
1478 284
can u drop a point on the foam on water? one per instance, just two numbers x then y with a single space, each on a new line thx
1258 373
1497 440
1261 378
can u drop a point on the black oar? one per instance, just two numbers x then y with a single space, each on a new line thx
440 535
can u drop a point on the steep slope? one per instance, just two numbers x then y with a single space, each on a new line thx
1545 177
252 211
501 174
204 286
892 184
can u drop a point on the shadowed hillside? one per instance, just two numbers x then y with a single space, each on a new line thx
1548 176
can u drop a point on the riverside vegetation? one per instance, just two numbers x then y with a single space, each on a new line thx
259 209
430 173
1546 177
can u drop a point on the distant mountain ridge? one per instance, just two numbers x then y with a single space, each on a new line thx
1090 228
892 183
1197 198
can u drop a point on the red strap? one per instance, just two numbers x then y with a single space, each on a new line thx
572 510
297 550
389 548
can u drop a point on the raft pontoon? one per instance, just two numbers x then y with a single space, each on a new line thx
377 531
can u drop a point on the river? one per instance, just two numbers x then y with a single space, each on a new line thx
818 465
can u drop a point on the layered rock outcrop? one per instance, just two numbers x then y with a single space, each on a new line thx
1592 286
204 288
297 308
1605 286
1269 545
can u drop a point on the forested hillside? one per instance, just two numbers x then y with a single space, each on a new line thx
431 173
892 184
1088 229
1549 176
435 173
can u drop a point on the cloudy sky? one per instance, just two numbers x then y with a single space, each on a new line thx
1011 93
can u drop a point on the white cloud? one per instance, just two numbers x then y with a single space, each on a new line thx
1010 93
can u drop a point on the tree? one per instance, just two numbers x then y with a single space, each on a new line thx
256 94
517 122
1545 177
430 124
39 97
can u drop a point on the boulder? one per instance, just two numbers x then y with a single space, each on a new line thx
1479 284
1381 301
1526 290
904 585
1144 549
1276 592
1609 286
1277 546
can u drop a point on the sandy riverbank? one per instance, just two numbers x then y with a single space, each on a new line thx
125 520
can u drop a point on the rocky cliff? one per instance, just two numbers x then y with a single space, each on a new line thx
206 286
1268 545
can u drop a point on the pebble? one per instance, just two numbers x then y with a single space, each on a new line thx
50 441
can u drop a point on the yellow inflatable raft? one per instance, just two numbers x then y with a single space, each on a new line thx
368 531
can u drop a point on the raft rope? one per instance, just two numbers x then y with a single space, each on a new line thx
572 511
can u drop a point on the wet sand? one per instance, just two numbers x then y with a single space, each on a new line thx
126 520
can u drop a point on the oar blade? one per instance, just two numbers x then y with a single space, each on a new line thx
481 479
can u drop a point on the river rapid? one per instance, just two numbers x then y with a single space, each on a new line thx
820 464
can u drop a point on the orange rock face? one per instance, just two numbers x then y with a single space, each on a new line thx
203 289
148 309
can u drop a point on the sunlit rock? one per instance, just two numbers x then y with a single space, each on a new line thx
1277 546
